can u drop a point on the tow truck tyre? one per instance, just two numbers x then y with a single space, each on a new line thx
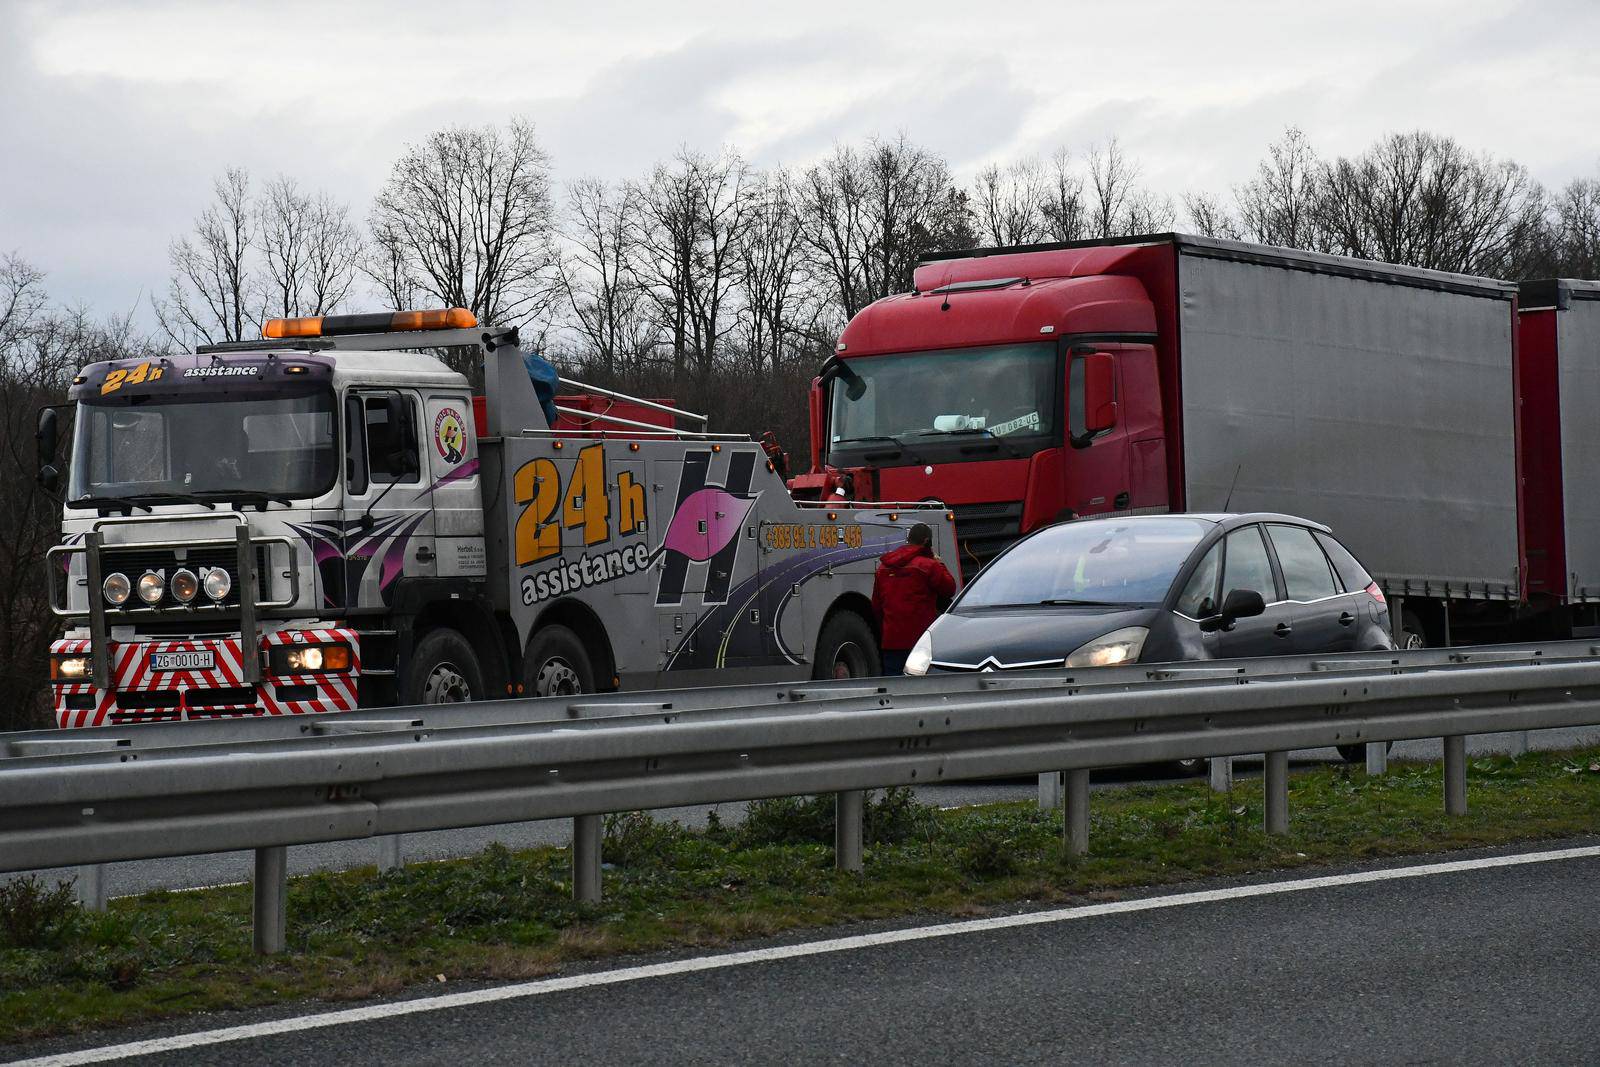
443 670
846 648
556 664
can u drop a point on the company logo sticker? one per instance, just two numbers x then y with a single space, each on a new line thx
450 435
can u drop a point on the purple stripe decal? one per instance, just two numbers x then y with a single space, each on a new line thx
466 470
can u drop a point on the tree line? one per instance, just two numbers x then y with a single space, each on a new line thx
706 279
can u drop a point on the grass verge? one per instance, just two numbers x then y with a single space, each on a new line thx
507 915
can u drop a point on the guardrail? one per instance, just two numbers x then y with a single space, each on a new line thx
125 793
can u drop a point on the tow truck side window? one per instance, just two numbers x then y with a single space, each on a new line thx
374 437
355 450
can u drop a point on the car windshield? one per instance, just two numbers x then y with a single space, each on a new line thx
1120 562
999 391
197 445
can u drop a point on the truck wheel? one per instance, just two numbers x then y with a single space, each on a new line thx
443 670
846 648
1358 753
557 664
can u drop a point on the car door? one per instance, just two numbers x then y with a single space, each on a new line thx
1324 616
1247 564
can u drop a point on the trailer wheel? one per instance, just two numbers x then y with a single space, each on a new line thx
557 664
846 648
1358 753
443 670
1412 634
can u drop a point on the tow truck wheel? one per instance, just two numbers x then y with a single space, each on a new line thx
846 648
556 664
443 670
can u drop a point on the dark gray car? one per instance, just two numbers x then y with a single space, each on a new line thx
1159 588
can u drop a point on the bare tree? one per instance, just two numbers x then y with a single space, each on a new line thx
1423 200
209 294
1112 178
1009 203
868 215
599 275
1576 230
1281 205
1209 217
779 307
466 218
1065 212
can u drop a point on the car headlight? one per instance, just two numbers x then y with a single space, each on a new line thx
184 585
1118 646
151 587
217 583
920 658
117 588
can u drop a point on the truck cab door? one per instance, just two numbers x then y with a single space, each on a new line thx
452 486
1097 454
388 529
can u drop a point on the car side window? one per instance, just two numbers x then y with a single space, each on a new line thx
1247 565
1307 574
1349 569
1199 599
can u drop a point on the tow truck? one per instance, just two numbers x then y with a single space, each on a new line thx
328 518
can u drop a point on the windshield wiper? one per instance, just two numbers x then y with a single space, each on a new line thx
182 498
1076 603
952 433
97 502
248 496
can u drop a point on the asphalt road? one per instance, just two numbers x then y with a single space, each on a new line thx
184 872
1491 965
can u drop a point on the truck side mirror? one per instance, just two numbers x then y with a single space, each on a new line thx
1099 392
47 437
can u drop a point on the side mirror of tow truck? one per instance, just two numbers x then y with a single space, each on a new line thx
47 438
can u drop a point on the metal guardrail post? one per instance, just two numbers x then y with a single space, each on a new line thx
847 816
1377 757
1219 771
90 887
1275 779
587 833
1519 743
1075 824
391 853
271 892
1049 790
1455 775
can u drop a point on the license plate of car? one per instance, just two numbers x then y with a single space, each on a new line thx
182 661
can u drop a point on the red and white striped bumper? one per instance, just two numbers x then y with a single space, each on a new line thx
142 693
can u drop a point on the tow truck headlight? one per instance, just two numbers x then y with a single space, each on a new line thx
151 587
184 585
920 657
117 588
310 659
72 667
217 582
1118 646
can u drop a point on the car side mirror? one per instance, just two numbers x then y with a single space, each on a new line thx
1238 604
1099 392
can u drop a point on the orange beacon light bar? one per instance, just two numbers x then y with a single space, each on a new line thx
381 322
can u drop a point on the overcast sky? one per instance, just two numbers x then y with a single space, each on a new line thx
115 116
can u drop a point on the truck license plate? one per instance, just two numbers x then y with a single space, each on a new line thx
182 661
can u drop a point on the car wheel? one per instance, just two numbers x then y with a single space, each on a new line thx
1358 753
846 648
557 664
443 670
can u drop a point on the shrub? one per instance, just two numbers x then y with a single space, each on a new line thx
35 916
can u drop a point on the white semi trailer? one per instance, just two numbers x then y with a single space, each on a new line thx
317 521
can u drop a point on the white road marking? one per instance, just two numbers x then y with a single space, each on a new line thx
590 980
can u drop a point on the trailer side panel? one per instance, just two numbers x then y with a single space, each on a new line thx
1578 357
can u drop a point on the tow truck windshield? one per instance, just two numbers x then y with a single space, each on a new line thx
996 394
190 447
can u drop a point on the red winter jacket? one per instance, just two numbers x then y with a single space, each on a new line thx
906 592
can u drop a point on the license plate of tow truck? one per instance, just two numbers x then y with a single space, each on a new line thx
182 661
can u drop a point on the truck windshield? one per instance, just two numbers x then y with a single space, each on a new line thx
1000 391
1101 561
198 445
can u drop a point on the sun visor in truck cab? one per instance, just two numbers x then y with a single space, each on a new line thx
205 376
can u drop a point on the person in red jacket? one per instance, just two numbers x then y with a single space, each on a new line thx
907 592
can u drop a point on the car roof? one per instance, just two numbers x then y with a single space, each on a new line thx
1228 520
